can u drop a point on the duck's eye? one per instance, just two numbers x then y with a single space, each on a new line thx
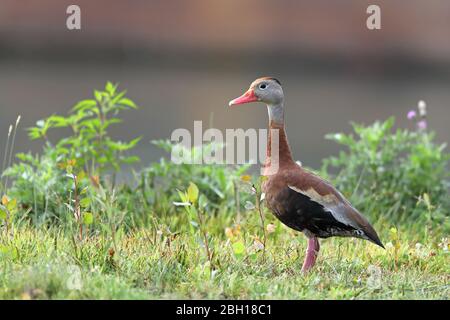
262 86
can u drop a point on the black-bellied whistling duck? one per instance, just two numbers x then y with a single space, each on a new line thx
298 198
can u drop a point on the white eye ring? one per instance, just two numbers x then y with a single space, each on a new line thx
262 86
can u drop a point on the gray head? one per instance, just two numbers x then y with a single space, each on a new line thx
267 90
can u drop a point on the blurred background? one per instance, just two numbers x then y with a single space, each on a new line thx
184 60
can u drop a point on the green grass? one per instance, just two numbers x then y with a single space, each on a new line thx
153 263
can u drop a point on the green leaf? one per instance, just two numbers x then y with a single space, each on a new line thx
127 102
426 198
34 133
122 146
88 218
218 192
12 204
85 202
117 97
134 142
98 95
130 160
183 196
194 223
81 175
85 105
238 248
58 121
8 251
84 190
192 192
110 88
202 201
112 121
3 212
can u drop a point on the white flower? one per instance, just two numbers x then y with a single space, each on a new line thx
270 228
315 281
444 244
420 251
422 108
263 196
95 269
258 245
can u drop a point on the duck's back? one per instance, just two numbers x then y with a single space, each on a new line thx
307 203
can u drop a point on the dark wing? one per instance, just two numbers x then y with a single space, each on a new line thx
333 214
301 213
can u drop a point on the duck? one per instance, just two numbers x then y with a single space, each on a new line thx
300 199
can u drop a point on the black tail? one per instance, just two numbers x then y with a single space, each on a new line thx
373 237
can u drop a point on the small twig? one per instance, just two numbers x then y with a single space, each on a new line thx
205 236
261 216
237 200
77 209
11 148
5 156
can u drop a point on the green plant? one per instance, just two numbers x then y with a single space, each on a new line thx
89 142
8 207
41 184
217 182
386 172
79 201
8 153
195 206
257 206
37 263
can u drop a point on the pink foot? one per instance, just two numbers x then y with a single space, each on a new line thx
311 254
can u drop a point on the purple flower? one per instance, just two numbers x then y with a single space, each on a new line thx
422 125
411 115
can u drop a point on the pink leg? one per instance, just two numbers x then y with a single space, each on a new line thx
311 254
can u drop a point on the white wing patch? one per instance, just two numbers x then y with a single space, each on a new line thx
330 202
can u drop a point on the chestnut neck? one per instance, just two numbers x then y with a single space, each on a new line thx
276 123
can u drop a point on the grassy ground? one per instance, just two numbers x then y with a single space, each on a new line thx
155 263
